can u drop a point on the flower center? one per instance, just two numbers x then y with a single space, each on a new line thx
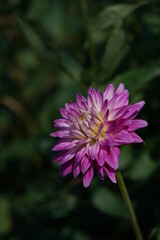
93 126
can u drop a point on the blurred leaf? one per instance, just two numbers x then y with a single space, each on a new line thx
77 235
36 82
72 66
54 19
5 216
27 59
136 79
142 168
111 15
155 233
125 157
31 36
158 236
19 149
115 51
109 203
62 207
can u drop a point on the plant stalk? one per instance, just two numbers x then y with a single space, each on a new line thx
129 206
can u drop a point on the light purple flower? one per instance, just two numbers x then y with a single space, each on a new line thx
91 131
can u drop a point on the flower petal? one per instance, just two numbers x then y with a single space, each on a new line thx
93 149
109 92
113 157
107 141
110 173
95 99
123 137
66 168
136 138
64 145
85 164
121 100
87 177
120 89
82 102
81 153
134 110
76 170
68 155
136 124
102 156
62 123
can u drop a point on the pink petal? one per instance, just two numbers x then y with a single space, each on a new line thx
122 124
113 158
85 164
80 154
122 137
66 169
110 173
111 126
136 138
61 133
118 113
120 89
93 149
100 171
109 92
104 107
102 156
64 145
94 99
136 124
64 112
134 110
68 155
108 141
62 123
112 102
59 157
87 177
122 99
82 102
76 170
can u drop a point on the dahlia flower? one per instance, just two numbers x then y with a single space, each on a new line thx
92 130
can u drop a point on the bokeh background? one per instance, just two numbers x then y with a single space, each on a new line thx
50 50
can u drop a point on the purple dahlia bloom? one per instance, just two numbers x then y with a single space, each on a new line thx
92 130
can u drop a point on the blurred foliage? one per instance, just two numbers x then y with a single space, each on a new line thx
45 60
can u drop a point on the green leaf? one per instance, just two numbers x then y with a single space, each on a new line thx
62 207
137 78
23 149
109 203
5 216
115 51
142 168
31 36
155 233
35 84
71 65
77 235
125 157
111 15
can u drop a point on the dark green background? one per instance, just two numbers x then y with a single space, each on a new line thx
44 62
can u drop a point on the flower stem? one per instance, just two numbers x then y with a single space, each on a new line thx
129 206
88 31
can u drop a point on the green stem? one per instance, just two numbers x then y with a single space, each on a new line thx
88 31
129 206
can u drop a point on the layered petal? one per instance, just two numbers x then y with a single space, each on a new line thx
87 177
91 131
136 124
